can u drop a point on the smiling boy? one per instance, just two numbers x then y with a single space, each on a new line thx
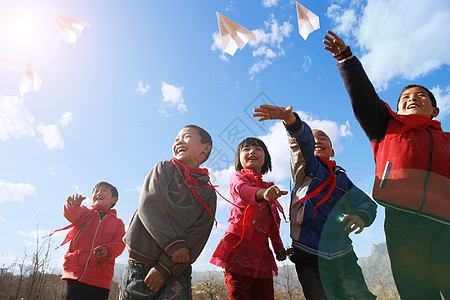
412 177
325 207
172 223
95 242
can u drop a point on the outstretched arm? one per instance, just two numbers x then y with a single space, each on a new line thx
371 113
271 112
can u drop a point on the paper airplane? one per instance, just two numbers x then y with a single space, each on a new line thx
233 35
70 28
307 21
31 80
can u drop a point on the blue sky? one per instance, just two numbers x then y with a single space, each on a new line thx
111 105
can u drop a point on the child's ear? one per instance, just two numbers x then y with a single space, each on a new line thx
207 148
332 153
435 112
114 200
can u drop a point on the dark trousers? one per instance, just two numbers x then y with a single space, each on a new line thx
322 279
77 290
419 250
242 287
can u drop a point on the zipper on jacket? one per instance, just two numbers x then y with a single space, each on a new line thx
428 172
92 246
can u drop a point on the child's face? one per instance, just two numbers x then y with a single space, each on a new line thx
189 149
102 197
252 157
415 101
322 145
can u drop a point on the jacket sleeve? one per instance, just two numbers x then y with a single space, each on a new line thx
360 204
275 239
301 143
74 213
116 246
196 237
370 111
158 212
242 186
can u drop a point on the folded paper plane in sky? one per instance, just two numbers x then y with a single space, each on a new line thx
70 28
307 21
31 80
233 35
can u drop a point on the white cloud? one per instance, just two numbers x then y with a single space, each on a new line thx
269 45
172 96
51 136
142 88
16 192
2 219
443 101
66 119
15 119
399 39
222 179
306 63
217 45
269 3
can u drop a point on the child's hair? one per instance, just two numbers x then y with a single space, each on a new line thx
430 94
112 188
204 135
251 141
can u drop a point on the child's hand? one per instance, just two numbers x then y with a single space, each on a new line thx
100 251
334 44
353 223
181 256
280 254
270 112
75 199
273 193
154 280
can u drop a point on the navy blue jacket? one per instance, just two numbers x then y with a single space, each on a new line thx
323 234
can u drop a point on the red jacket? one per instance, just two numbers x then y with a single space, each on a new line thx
80 263
412 170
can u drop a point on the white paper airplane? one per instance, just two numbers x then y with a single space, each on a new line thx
31 80
307 21
70 28
233 35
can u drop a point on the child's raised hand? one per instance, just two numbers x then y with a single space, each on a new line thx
75 199
334 44
181 256
154 280
354 222
100 251
280 254
273 193
271 112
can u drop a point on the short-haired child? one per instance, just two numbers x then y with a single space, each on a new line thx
172 223
244 251
95 242
412 177
325 207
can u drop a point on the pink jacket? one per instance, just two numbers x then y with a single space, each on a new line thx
80 263
243 189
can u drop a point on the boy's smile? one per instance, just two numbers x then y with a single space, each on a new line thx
102 197
252 157
189 149
322 146
415 101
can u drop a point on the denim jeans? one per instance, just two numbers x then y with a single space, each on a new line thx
133 287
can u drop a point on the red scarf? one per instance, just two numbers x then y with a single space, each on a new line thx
80 222
191 182
413 121
331 164
248 210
